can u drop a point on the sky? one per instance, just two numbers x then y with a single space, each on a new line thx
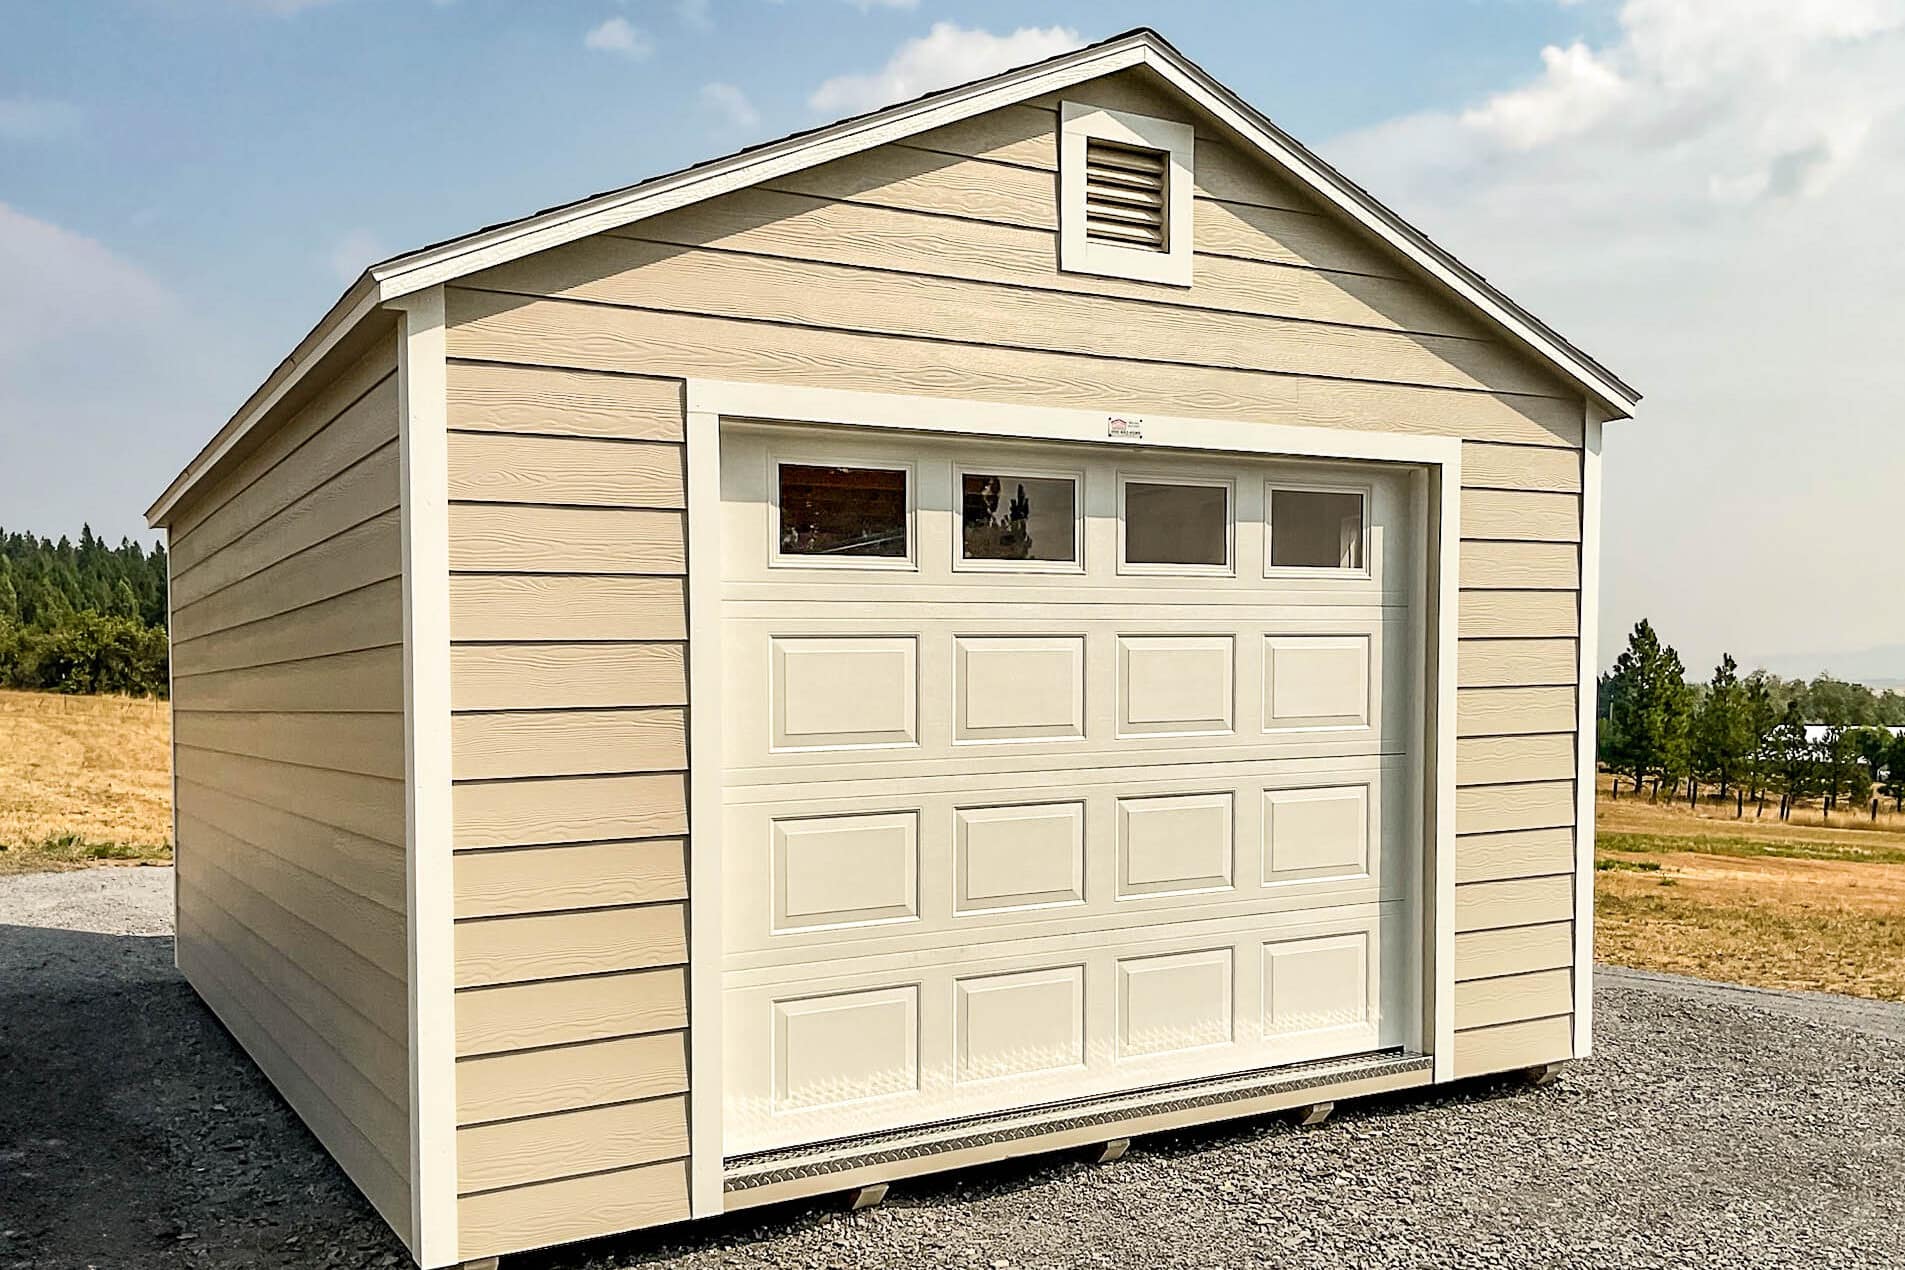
1704 194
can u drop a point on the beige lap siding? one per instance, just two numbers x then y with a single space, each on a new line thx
569 752
923 268
288 739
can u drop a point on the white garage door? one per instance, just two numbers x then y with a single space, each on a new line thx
1053 771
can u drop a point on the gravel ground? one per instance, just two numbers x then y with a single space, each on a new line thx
1715 1126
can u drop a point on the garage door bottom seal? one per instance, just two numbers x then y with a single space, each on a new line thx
765 1168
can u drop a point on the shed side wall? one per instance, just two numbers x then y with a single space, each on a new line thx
289 752
925 268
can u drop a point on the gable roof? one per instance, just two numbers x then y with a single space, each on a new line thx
493 245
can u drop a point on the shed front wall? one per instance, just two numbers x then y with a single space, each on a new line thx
924 268
288 756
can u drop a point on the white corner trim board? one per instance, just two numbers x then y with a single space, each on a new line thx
704 813
1586 744
422 403
445 262
710 402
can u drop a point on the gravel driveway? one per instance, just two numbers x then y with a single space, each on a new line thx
1714 1127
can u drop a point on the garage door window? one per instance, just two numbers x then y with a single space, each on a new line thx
1174 526
844 515
1313 528
1018 520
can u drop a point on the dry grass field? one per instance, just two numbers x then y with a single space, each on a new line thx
83 780
1798 904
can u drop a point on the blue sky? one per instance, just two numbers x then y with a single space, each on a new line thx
185 185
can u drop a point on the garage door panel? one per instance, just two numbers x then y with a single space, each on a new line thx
1009 818
914 696
864 1045
1118 855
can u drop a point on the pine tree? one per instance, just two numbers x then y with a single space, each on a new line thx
1762 716
1649 709
1723 734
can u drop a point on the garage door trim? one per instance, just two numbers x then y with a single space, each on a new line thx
1437 461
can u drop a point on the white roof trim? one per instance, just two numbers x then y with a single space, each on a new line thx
487 248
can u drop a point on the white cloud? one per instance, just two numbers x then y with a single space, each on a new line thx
617 35
351 253
867 6
732 105
36 119
108 381
1707 201
944 56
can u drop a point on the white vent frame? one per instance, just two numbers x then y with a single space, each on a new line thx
1078 253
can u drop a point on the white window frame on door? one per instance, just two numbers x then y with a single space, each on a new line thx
1228 569
1435 502
1272 485
962 564
781 457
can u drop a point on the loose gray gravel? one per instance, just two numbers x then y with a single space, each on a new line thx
1715 1126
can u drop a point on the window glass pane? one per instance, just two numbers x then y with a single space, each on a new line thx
843 511
1010 517
1176 524
1315 529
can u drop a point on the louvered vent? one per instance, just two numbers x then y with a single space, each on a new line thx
1125 195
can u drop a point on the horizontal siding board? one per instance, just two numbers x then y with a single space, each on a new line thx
492 539
370 617
1518 614
1486 954
1521 515
494 950
564 1011
375 991
369 744
382 1182
567 1143
350 498
568 742
574 1208
582 875
374 1051
1499 808
566 471
1520 467
1511 1046
1519 566
1502 760
381 1118
620 271
1512 663
1513 711
366 553
1517 853
568 809
1539 994
373 931
1523 902
369 679
549 676
495 327
546 401
568 1077
374 372
364 805
365 866
802 227
553 607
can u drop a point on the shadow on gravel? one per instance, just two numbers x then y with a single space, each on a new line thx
134 1132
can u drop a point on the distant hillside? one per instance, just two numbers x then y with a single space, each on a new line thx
1880 667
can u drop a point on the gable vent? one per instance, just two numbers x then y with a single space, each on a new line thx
1125 195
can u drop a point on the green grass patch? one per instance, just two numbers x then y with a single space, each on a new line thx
1748 848
1627 866
71 849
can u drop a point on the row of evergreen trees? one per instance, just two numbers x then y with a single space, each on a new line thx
1747 735
82 616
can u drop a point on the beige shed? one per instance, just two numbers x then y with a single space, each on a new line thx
1036 615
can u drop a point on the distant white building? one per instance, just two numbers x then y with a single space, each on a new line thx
1817 731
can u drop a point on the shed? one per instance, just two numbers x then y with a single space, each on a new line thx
1032 616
